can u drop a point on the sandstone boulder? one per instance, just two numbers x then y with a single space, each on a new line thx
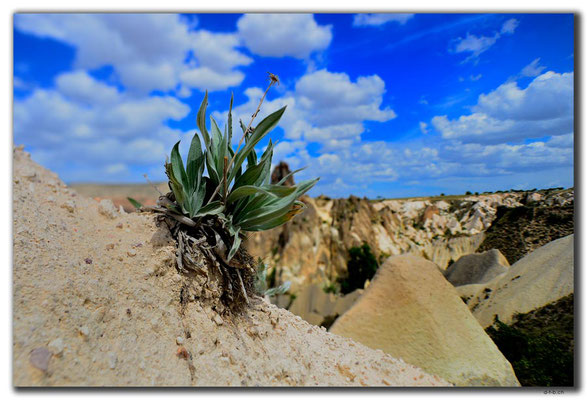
98 301
476 268
541 277
410 311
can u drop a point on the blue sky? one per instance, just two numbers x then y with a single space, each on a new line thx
387 105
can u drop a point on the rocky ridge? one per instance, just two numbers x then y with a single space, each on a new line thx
314 247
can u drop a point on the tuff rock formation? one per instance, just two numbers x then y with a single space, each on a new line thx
476 268
410 311
540 278
313 248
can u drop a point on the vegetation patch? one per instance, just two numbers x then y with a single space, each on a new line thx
209 215
540 344
362 266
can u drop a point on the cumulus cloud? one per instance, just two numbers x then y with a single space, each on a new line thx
87 122
510 113
380 19
476 45
279 35
147 51
324 107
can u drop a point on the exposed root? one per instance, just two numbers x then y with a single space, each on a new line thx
201 255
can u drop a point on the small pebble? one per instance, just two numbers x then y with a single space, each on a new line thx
56 346
88 260
112 359
131 253
119 225
69 206
179 340
84 330
183 353
40 357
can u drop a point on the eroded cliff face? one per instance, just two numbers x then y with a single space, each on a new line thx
313 248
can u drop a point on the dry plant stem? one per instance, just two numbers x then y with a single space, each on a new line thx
152 184
241 141
242 286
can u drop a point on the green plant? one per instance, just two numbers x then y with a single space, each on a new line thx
264 287
241 198
208 214
330 288
361 266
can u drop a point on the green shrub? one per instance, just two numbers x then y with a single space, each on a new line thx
330 288
540 344
241 198
361 266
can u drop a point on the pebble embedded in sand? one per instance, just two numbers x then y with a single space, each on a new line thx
84 331
112 359
40 357
179 340
69 206
56 346
131 253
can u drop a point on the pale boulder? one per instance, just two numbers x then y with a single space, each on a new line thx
477 268
540 278
411 312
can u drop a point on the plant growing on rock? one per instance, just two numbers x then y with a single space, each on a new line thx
212 212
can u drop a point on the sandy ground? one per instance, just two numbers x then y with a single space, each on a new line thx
144 193
97 302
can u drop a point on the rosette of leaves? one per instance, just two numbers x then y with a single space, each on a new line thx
240 196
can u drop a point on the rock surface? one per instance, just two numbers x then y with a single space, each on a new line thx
88 314
411 312
313 248
541 277
476 268
318 307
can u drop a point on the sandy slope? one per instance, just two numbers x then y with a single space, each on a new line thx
97 302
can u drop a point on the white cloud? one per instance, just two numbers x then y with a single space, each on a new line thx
324 107
475 45
147 51
86 122
424 128
207 79
533 69
509 113
509 26
81 87
279 35
380 19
